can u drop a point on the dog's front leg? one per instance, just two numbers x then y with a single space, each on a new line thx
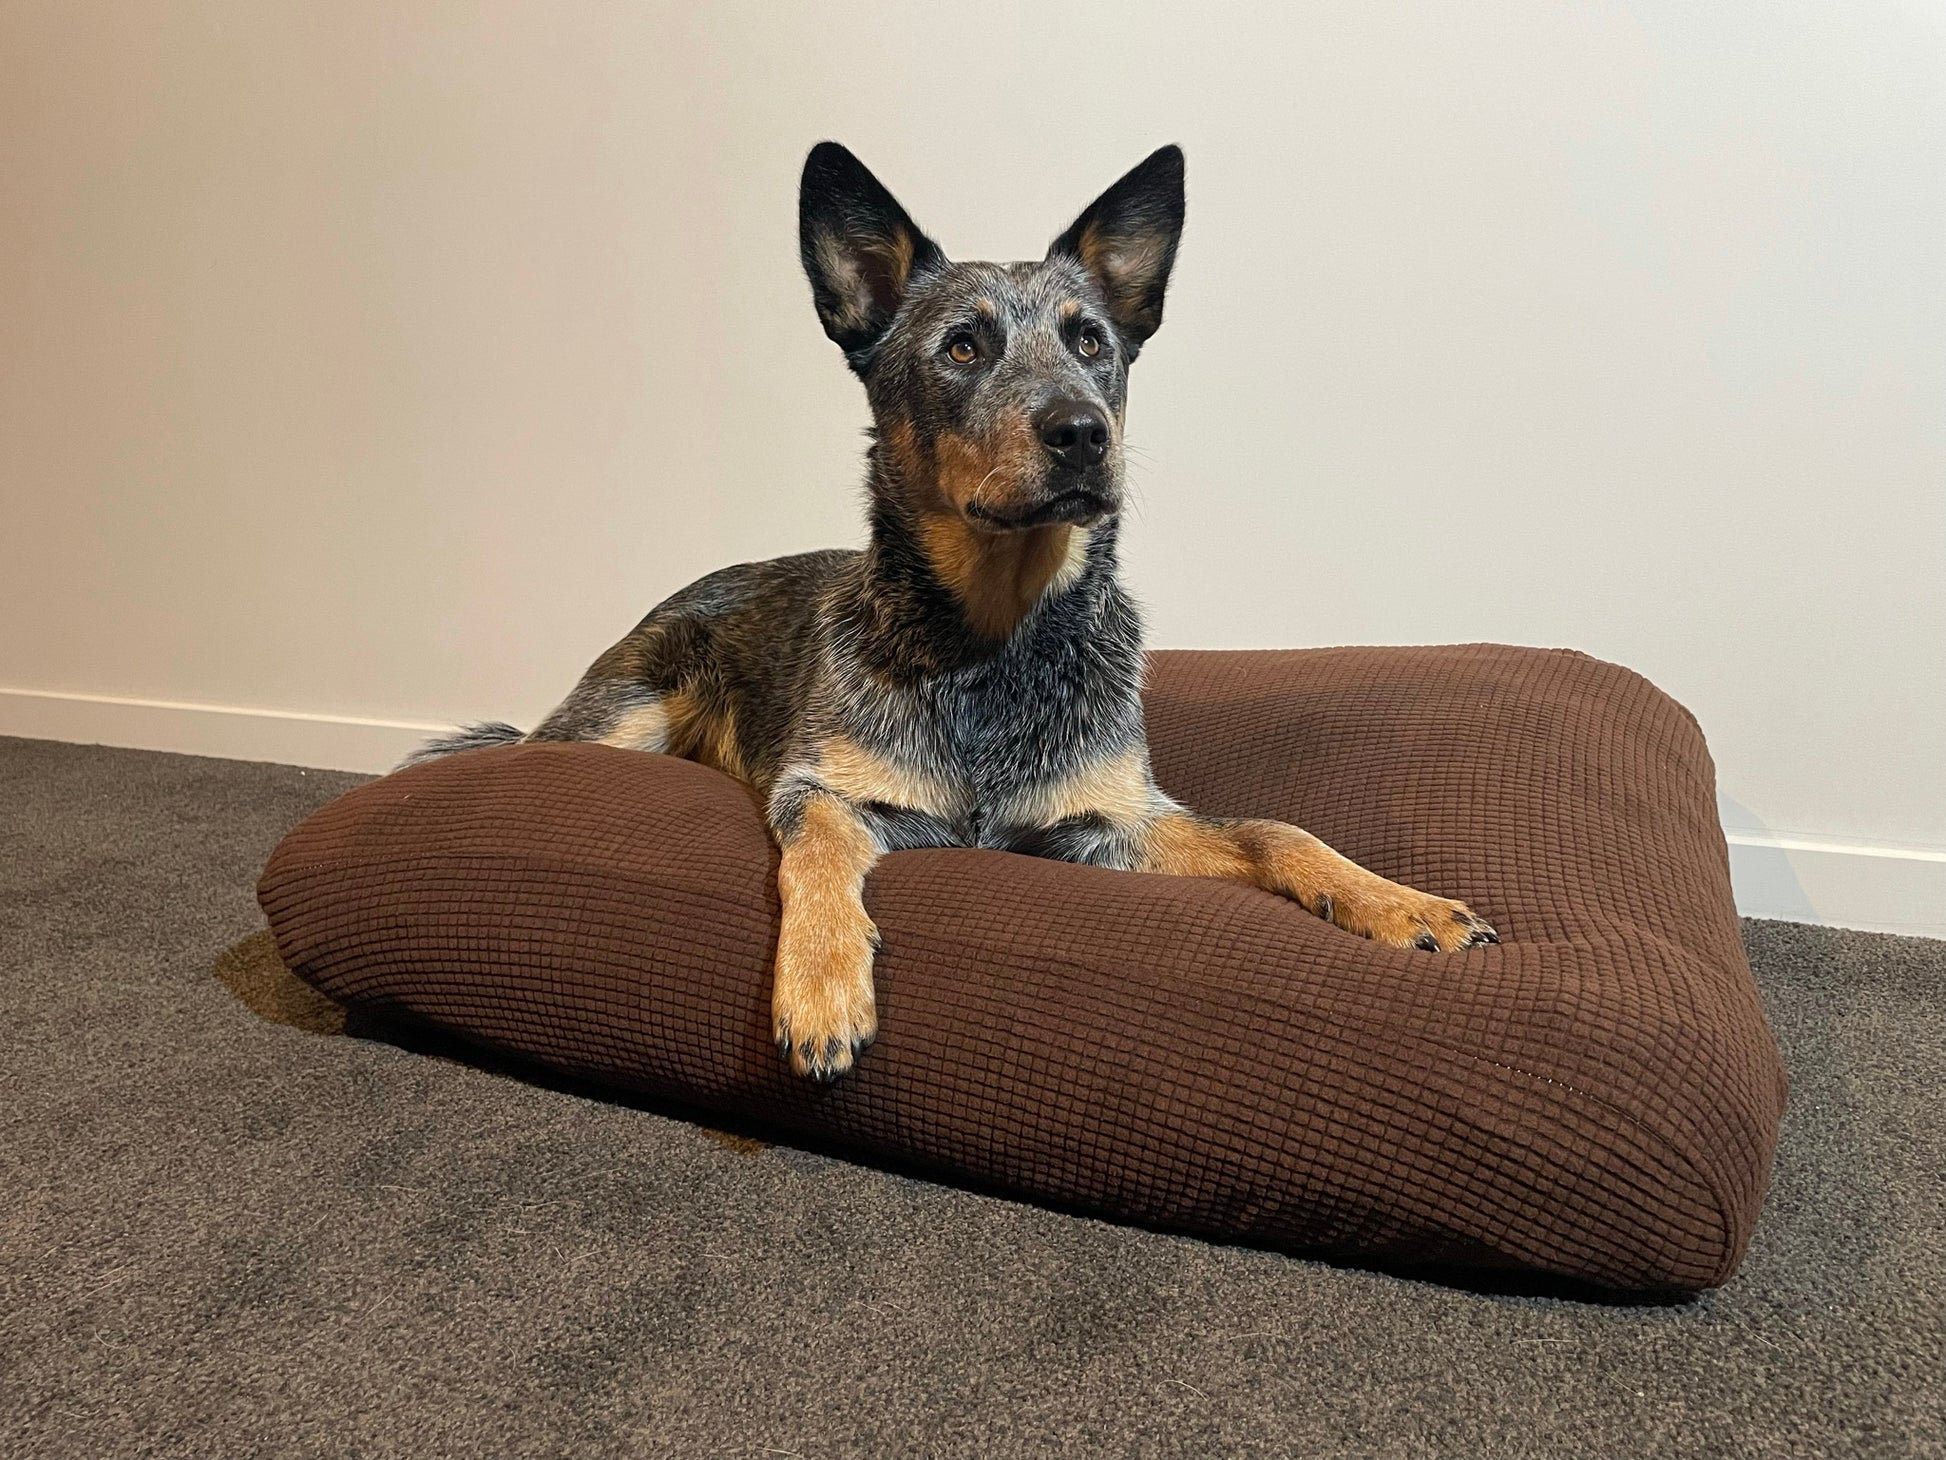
821 1007
1295 864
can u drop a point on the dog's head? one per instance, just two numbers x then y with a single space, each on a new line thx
997 389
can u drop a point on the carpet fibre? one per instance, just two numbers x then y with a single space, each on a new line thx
234 1227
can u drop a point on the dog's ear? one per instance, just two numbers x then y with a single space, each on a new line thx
1127 239
860 249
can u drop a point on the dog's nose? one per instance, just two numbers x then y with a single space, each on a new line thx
1074 433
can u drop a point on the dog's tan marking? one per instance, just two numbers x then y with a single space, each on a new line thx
1138 256
903 444
859 775
721 745
821 1005
1118 788
898 260
1127 266
703 731
993 472
847 281
1069 308
645 727
985 308
1295 864
861 296
998 577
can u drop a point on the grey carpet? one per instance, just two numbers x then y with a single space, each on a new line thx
222 1235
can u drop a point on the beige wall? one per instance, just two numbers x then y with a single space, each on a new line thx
376 362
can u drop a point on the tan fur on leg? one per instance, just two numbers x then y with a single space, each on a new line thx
821 1005
1295 864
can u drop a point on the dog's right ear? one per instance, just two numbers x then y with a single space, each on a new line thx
860 249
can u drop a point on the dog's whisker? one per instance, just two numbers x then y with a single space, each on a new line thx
973 497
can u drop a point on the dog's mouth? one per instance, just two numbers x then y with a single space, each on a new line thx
1078 505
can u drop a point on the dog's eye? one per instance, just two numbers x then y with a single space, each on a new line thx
963 351
1089 344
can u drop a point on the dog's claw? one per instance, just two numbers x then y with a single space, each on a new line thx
1478 929
820 1060
1447 928
817 1063
825 1062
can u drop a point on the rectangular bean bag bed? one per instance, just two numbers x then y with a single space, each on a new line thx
1596 1097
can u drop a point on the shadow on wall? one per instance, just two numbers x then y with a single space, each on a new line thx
1766 883
1797 877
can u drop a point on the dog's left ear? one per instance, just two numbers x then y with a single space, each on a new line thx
861 250
1127 239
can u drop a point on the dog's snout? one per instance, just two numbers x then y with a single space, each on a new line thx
1074 433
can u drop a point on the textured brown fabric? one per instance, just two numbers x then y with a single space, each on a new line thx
1596 1097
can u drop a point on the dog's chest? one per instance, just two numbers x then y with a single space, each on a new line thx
1006 734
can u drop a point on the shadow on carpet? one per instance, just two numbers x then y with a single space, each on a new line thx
253 970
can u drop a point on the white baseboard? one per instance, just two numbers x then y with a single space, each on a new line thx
231 732
1808 879
1843 884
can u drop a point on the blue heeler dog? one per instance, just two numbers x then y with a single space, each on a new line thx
972 677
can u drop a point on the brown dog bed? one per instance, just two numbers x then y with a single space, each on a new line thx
1597 1097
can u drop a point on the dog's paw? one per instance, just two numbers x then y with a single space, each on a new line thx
1400 917
822 1011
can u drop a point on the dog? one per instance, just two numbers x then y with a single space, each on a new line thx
971 677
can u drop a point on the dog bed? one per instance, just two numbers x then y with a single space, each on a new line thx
1596 1097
